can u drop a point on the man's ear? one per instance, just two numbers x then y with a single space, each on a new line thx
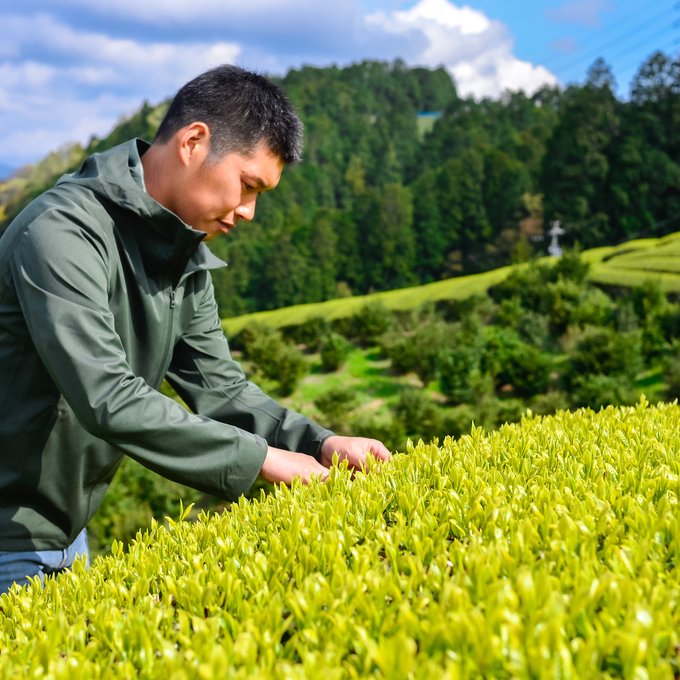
193 143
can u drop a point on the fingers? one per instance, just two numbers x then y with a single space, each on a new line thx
285 466
379 450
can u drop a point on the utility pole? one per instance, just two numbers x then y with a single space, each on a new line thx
555 232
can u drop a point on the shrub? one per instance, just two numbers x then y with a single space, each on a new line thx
420 351
510 361
457 370
554 290
380 426
370 322
648 299
669 322
625 318
418 414
250 334
458 420
549 548
607 352
335 405
274 358
671 374
288 369
549 402
509 312
534 328
559 302
334 350
478 305
531 326
525 283
509 411
311 332
597 390
572 267
594 307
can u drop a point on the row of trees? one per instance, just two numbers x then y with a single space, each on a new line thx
383 201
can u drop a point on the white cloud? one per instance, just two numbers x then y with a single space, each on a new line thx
475 50
44 103
94 58
53 70
47 121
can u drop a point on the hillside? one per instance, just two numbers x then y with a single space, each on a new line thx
549 548
624 266
388 197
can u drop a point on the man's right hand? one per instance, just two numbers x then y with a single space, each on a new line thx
285 466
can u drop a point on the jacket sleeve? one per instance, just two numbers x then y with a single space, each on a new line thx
59 271
213 384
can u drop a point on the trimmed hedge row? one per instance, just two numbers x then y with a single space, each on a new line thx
548 548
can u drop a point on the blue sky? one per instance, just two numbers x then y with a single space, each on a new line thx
70 69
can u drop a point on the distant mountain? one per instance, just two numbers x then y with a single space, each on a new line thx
6 170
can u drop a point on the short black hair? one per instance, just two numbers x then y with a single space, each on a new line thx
241 108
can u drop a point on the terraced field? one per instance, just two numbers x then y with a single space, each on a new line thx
634 262
629 264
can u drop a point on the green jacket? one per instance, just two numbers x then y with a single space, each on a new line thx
103 293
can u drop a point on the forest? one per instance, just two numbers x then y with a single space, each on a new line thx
405 182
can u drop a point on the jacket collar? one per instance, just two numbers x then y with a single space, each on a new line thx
167 244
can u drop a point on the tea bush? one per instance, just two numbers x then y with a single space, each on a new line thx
548 548
333 352
273 358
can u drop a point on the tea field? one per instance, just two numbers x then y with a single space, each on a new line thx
637 261
626 265
549 548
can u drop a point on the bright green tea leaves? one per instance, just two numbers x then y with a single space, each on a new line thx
549 548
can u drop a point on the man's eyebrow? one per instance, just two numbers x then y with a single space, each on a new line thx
258 183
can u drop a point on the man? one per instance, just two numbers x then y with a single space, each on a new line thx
105 290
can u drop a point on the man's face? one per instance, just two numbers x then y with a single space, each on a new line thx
216 195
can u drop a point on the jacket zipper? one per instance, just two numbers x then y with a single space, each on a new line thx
168 338
173 301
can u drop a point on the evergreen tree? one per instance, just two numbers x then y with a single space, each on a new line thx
576 163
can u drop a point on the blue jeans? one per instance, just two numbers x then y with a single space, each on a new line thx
16 567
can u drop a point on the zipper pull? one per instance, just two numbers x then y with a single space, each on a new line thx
172 299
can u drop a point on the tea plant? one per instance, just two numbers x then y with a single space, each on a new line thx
549 548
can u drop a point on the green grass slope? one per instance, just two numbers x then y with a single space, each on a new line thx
549 548
401 299
626 265
634 262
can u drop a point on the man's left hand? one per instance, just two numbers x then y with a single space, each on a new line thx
353 449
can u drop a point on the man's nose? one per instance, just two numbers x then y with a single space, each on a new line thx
246 211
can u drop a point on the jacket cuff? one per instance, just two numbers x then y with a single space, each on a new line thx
242 473
318 442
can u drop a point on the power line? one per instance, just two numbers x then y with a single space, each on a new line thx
599 47
634 60
626 40
631 47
